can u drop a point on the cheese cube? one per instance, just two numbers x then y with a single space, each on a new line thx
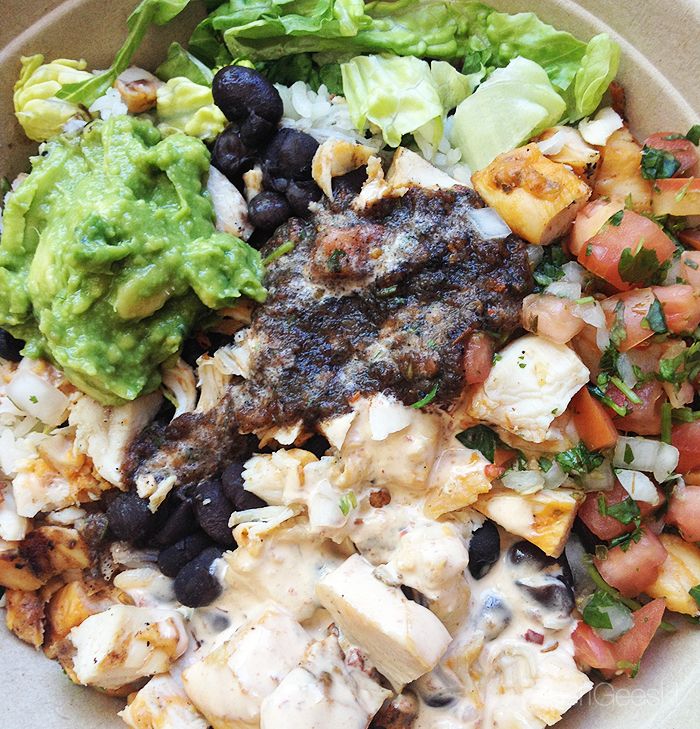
125 643
229 684
162 704
402 639
323 692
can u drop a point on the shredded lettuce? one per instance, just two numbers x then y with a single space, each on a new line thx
512 105
180 63
402 95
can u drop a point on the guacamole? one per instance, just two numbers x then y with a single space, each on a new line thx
109 255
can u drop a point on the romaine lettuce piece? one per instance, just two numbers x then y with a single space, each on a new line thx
182 63
188 107
512 105
37 109
598 68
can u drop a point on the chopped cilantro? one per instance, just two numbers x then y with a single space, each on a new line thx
666 413
426 399
34 399
682 367
618 332
655 319
550 267
658 164
691 264
585 300
596 612
625 511
545 464
609 359
625 540
578 461
693 134
628 456
633 668
497 358
694 592
685 415
480 438
334 260
628 392
386 292
617 218
640 267
621 410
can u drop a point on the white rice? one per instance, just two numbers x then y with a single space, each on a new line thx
109 105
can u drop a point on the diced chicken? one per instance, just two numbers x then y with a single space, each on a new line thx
73 603
138 89
15 572
124 643
162 704
250 664
530 384
336 157
402 639
544 518
599 129
24 615
253 181
678 574
536 197
182 387
619 173
409 169
457 479
230 207
566 146
12 526
104 433
277 477
323 692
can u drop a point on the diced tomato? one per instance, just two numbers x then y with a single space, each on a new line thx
601 254
684 512
690 237
593 422
633 570
676 196
682 149
607 527
681 305
622 655
686 437
503 456
636 305
590 220
642 418
478 358
551 317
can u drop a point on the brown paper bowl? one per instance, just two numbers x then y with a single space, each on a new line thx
660 70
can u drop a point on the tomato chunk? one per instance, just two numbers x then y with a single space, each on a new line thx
690 237
684 512
633 570
681 305
593 422
686 437
590 220
551 317
676 196
682 149
635 307
622 655
602 254
642 418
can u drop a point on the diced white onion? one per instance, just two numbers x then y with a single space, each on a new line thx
564 290
597 130
638 485
573 272
600 479
489 223
37 397
644 454
387 416
554 477
524 482
553 144
624 367
535 254
620 620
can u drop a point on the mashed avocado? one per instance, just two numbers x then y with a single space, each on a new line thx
109 255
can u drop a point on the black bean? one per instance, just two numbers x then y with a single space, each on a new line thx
241 92
213 511
195 585
289 155
484 549
269 210
495 616
232 482
178 524
589 540
231 155
130 518
274 184
550 592
255 130
173 558
10 347
525 552
300 194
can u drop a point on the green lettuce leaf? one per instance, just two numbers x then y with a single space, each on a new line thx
598 68
180 63
510 107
